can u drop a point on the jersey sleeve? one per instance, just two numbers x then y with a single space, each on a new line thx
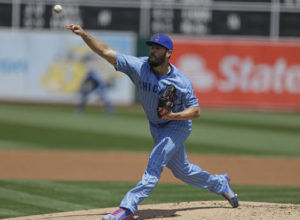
190 98
129 65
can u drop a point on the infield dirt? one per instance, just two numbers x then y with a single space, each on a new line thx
102 166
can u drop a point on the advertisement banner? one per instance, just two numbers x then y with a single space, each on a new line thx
51 66
241 73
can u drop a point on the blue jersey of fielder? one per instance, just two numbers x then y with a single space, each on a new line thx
149 85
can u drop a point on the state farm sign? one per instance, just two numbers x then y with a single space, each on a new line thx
260 74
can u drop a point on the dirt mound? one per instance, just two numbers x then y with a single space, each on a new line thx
189 210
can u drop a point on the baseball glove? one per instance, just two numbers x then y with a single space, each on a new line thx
166 101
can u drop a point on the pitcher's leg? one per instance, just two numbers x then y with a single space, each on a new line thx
161 154
194 175
142 190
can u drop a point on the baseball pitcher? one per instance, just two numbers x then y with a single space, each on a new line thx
170 104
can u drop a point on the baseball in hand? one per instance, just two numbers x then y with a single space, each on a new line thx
57 9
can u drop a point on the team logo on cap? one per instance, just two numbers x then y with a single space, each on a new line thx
156 38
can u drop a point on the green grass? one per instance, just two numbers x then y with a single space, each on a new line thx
31 197
215 132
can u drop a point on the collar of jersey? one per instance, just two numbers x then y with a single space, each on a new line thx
165 76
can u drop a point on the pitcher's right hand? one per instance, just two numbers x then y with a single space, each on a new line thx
76 29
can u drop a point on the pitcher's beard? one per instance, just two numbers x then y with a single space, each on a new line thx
157 61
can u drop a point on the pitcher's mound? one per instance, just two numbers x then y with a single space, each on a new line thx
212 210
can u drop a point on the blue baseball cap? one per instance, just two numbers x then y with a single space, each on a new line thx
162 40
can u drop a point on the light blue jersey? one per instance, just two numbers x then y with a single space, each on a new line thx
168 135
149 85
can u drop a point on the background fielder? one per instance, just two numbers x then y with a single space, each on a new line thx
93 82
151 75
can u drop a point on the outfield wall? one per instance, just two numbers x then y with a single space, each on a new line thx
44 66
239 73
